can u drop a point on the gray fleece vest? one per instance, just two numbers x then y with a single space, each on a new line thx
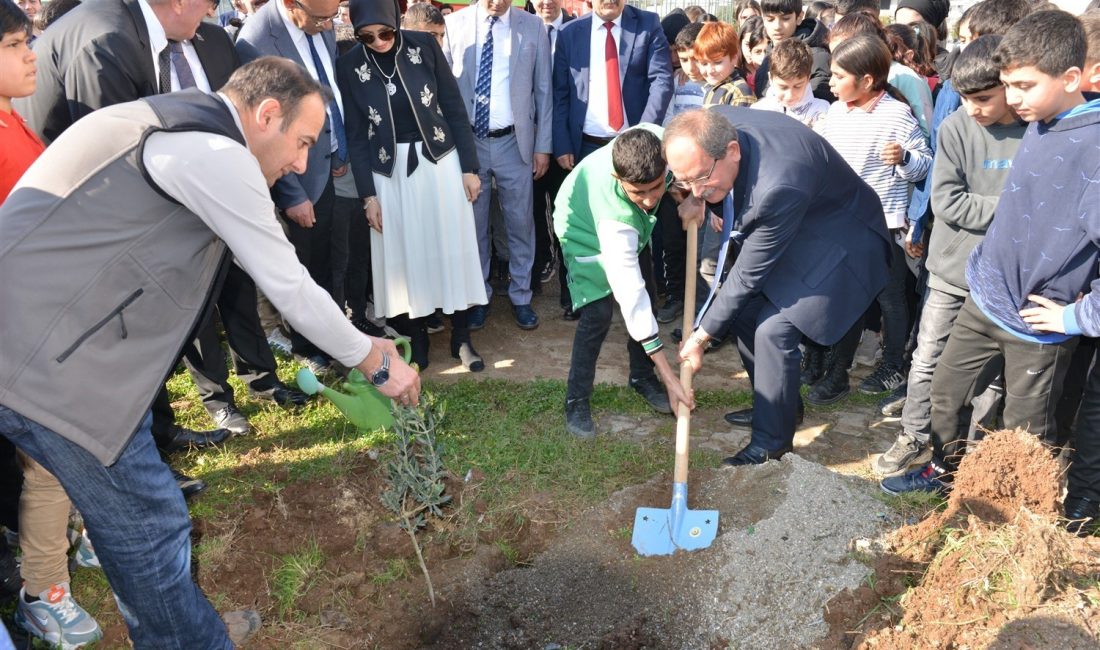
102 275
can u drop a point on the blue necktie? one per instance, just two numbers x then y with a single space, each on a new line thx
484 84
333 107
728 235
183 69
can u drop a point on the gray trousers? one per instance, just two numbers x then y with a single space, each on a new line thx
937 318
500 160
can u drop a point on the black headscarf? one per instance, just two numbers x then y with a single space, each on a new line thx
934 12
374 12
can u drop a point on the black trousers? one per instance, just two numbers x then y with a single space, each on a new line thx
1033 375
253 360
314 249
673 247
357 280
592 328
1084 469
545 191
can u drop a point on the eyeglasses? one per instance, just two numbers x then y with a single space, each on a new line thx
385 35
318 21
687 185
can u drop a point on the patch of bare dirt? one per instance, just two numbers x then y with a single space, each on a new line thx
994 569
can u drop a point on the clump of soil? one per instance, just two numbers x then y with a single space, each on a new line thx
993 569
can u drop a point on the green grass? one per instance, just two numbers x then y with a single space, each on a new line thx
293 576
512 432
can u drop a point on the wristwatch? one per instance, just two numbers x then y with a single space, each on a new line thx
382 375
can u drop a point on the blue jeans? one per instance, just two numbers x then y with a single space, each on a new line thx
137 519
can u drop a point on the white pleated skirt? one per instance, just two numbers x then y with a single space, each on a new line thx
426 256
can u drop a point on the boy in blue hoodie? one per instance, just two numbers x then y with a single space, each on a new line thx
1033 279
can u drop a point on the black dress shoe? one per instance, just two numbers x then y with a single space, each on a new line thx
282 395
189 486
1083 516
229 418
177 438
653 393
743 417
754 454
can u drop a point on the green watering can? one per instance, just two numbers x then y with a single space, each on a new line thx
364 407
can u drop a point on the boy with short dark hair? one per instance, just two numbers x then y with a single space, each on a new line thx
974 155
785 19
604 217
1039 254
789 83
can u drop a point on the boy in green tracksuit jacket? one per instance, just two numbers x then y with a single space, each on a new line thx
604 216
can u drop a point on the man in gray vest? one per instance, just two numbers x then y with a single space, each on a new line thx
115 237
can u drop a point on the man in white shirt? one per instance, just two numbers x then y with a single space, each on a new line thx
501 58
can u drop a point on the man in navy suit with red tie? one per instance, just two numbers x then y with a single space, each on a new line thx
591 106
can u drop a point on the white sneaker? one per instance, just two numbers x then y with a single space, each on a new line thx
278 341
57 619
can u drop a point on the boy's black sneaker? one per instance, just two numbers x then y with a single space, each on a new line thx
885 377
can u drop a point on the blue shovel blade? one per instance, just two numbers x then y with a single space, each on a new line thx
654 534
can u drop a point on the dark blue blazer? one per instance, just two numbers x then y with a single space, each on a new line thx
645 75
815 239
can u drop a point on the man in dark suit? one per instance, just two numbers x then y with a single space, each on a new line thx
812 251
591 107
302 31
102 56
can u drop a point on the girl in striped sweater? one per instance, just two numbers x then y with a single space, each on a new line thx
874 130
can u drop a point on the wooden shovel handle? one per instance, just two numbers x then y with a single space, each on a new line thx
683 418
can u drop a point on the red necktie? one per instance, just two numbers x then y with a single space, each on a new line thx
614 90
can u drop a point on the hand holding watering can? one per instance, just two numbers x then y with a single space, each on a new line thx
366 403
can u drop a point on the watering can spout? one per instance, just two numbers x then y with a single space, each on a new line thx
361 403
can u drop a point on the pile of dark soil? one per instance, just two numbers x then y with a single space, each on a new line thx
994 569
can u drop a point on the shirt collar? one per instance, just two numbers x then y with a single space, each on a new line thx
597 22
158 40
483 18
559 21
233 111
